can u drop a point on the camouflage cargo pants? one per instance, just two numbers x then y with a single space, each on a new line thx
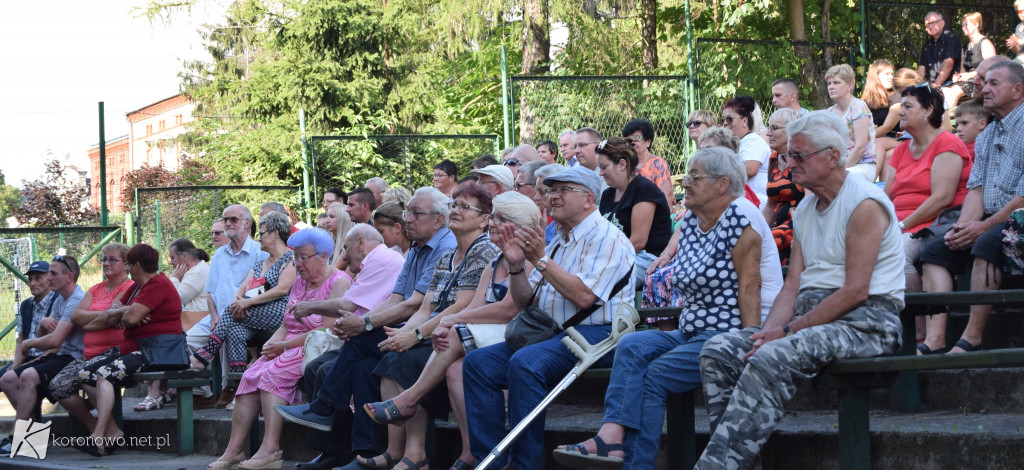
745 398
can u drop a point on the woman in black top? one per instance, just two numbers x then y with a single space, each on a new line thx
633 203
979 47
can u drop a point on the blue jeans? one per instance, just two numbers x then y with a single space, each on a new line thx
351 377
649 366
529 375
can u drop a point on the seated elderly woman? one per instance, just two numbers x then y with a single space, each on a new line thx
718 136
452 288
783 194
260 300
273 378
841 298
480 324
721 228
926 175
861 129
633 203
151 313
102 341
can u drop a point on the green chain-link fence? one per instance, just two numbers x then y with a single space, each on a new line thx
20 246
896 29
544 106
733 67
166 214
402 160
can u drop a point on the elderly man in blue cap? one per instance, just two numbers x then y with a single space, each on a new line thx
586 268
32 311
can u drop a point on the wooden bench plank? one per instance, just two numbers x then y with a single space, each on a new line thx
981 359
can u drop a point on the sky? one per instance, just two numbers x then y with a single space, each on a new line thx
60 58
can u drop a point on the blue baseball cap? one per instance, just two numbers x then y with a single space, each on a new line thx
38 267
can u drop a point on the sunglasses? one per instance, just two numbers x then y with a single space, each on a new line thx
232 219
694 124
511 162
60 259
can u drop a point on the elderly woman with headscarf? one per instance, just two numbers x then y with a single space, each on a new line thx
273 378
724 273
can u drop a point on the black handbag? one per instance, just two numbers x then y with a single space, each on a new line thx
164 352
533 325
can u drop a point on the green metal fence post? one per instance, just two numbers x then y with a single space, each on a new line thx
103 172
159 237
506 118
129 228
305 162
864 44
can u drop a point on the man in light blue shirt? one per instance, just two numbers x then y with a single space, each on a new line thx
228 268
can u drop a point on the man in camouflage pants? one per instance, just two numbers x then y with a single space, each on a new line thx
841 298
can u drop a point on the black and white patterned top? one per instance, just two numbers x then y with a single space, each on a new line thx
275 308
702 277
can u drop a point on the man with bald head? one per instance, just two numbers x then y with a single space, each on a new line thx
979 77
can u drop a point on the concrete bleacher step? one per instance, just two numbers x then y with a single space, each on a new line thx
805 439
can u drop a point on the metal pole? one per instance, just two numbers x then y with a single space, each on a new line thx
864 44
158 233
691 65
305 161
103 171
506 119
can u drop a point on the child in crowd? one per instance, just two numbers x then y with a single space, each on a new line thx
971 118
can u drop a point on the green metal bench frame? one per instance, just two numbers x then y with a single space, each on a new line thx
183 381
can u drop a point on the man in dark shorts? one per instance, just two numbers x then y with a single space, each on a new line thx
64 343
940 54
995 189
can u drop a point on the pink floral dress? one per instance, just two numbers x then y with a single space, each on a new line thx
281 375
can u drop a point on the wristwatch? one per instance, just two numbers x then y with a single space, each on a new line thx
542 263
419 336
786 330
368 326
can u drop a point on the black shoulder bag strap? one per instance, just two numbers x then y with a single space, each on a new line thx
583 314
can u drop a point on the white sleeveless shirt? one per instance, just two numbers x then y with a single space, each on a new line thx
822 236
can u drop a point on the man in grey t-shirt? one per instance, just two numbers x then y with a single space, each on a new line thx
63 343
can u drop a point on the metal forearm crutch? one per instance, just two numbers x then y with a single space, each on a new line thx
624 321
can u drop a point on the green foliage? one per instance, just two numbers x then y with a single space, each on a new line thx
10 199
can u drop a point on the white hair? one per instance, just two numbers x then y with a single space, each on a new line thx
438 201
822 129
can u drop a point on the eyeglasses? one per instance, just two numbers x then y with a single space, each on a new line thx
463 207
929 24
440 175
799 157
727 119
562 190
511 162
110 260
687 179
634 138
415 214
583 144
694 124
232 219
216 233
496 219
263 232
60 259
303 259
775 128
520 185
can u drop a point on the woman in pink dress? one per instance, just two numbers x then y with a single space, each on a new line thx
274 377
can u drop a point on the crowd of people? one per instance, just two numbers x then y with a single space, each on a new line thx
414 289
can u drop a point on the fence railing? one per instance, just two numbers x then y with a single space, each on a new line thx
347 161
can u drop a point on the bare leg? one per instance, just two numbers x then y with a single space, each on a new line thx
457 396
432 375
914 285
415 430
20 391
936 279
272 422
80 410
396 434
104 399
247 409
610 433
984 277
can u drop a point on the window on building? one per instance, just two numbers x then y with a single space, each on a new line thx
149 129
163 124
178 120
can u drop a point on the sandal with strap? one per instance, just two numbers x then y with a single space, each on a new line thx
576 455
149 403
410 465
461 465
926 350
386 413
371 463
967 346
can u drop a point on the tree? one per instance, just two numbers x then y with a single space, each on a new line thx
55 200
10 199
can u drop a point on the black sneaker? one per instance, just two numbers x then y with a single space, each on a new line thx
5 445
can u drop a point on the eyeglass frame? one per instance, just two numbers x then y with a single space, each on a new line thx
690 179
584 144
236 219
800 158
109 260
416 214
562 190
462 206
60 259
694 124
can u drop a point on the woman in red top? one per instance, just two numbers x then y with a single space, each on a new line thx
924 176
151 308
101 341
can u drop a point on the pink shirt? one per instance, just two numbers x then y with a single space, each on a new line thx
912 183
376 279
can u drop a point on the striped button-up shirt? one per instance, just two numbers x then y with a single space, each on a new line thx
999 163
599 254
